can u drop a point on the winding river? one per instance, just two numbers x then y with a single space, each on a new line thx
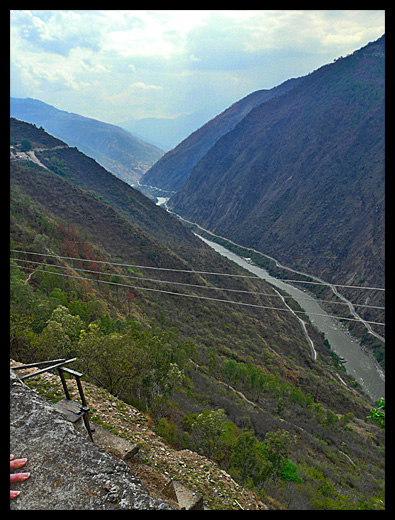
365 370
359 364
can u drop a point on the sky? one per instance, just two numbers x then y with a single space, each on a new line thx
119 65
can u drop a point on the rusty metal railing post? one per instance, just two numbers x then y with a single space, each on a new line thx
84 406
62 378
59 365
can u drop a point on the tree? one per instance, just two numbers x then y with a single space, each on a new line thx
71 325
276 449
58 295
60 333
289 472
54 341
26 145
96 309
207 431
378 414
248 462
111 360
22 337
133 361
331 418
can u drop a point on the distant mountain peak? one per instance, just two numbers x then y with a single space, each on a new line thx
113 147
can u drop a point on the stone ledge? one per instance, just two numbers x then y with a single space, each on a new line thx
68 471
185 498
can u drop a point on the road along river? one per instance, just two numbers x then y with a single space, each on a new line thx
364 369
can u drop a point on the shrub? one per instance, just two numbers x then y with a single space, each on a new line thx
288 472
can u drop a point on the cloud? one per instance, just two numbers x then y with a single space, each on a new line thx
56 32
166 62
142 85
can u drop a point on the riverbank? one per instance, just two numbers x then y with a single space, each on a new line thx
359 364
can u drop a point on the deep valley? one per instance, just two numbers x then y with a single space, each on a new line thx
100 272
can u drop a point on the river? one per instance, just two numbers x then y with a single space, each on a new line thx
359 364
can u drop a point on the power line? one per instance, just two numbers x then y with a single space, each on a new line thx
136 266
253 293
334 284
203 297
191 271
278 264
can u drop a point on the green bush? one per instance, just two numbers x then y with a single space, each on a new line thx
289 472
26 145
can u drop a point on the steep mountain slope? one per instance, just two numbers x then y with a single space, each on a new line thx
113 147
174 168
180 358
76 191
80 170
301 177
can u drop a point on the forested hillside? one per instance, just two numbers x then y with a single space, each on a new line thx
235 383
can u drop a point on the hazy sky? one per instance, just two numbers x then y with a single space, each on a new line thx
115 65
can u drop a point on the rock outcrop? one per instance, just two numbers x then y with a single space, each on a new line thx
68 471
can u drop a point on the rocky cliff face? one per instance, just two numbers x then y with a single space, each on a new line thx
68 471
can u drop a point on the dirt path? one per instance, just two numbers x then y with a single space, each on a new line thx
32 156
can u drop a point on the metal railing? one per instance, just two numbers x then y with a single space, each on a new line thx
59 365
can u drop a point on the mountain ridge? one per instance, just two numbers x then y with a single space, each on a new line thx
311 158
115 148
174 168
